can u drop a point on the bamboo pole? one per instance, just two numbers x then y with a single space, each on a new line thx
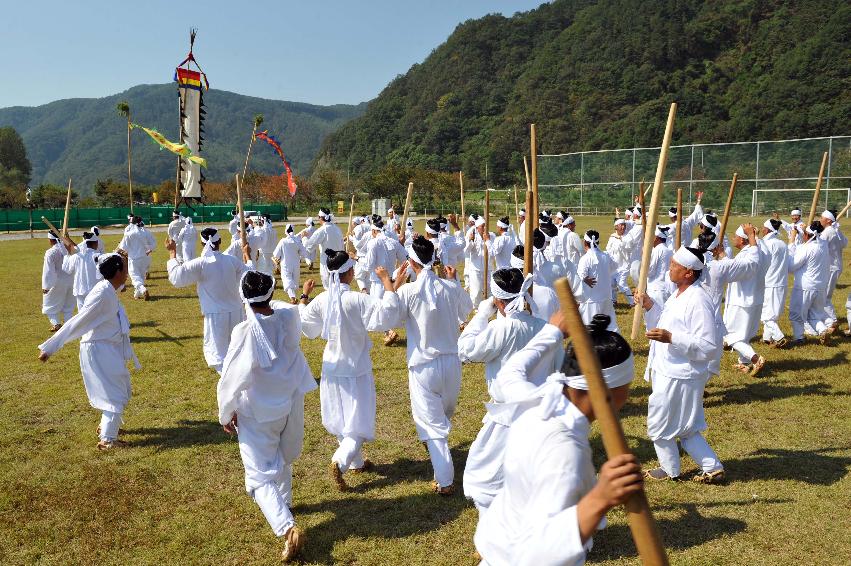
535 196
242 235
350 247
65 219
51 226
485 252
650 229
818 190
180 100
641 203
844 210
129 177
526 170
724 219
257 121
678 236
528 237
407 210
516 205
463 213
645 533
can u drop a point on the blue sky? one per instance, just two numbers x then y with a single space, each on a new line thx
321 51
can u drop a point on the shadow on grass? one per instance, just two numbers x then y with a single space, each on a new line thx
146 324
689 530
809 364
164 338
407 469
816 467
767 391
186 433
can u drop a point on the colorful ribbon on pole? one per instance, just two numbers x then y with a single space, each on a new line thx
179 148
276 147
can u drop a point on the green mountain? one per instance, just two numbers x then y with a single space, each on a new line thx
601 74
85 138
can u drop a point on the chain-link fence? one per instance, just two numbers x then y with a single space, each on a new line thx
773 175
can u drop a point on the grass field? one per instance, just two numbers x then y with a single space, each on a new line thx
177 496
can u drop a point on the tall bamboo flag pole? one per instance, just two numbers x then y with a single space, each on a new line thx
485 252
650 229
645 533
516 205
818 189
528 237
678 237
727 207
407 210
67 211
534 144
463 214
124 110
350 247
258 119
242 236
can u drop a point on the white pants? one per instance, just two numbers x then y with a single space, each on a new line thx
110 422
217 330
806 307
474 284
742 324
362 274
349 455
58 300
434 388
829 310
138 268
289 279
619 283
772 308
268 451
323 275
694 445
376 289
483 475
589 308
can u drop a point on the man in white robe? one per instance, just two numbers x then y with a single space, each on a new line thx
173 231
288 255
382 251
137 245
261 397
359 237
327 237
657 270
57 293
619 250
81 264
836 242
796 225
809 264
305 234
503 244
104 332
96 231
188 240
434 370
683 343
391 227
776 281
477 252
743 303
595 270
552 503
347 390
233 225
544 299
493 343
575 248
216 276
688 225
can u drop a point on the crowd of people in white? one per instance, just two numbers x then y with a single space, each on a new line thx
529 471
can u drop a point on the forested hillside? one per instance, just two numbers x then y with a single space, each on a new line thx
597 75
86 139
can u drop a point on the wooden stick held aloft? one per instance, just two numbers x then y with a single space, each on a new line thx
727 207
818 190
463 212
678 239
407 211
516 205
64 232
650 228
843 211
486 252
350 247
645 533
536 200
528 236
242 236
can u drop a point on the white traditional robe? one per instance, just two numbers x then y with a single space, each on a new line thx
476 253
434 370
744 304
360 237
137 243
619 249
809 263
688 226
776 281
327 236
382 251
492 343
501 249
347 388
216 276
82 267
269 404
289 252
174 230
548 469
597 299
188 241
104 332
305 237
836 242
58 283
657 273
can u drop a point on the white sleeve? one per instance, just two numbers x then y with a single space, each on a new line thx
236 375
48 277
91 316
477 342
184 274
312 316
513 376
701 343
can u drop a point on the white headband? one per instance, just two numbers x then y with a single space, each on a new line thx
828 215
811 232
416 257
795 212
620 221
289 229
688 260
518 300
263 350
672 214
569 220
517 262
590 240
560 215
430 230
103 257
208 243
715 241
502 224
52 236
614 376
661 233
769 226
522 213
309 222
480 221
740 232
94 238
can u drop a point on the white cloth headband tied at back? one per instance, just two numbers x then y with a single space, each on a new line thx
614 376
518 300
208 243
828 215
769 226
502 224
430 230
795 212
740 232
688 259
620 221
569 220
263 351
480 221
591 240
333 315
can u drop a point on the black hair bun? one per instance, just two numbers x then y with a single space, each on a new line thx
330 253
509 279
599 323
518 251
